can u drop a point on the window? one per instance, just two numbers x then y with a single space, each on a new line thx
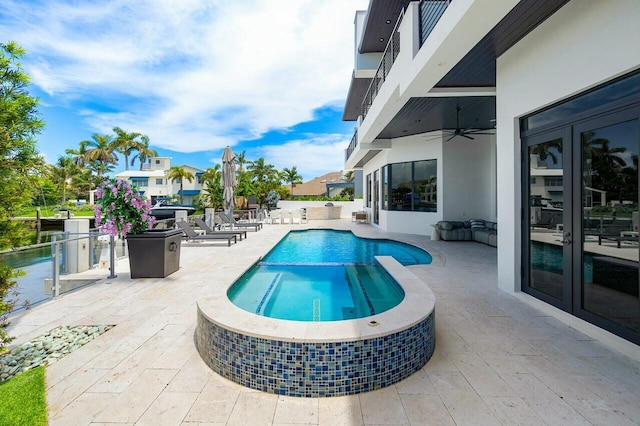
369 189
140 181
385 187
159 181
157 161
553 181
410 186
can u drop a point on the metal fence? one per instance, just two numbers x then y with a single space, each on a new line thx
389 56
68 262
430 13
352 145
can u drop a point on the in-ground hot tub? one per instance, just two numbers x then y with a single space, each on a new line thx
313 359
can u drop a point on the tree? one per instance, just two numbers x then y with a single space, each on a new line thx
99 154
21 163
212 192
62 173
241 160
79 154
144 151
177 173
126 143
265 178
292 177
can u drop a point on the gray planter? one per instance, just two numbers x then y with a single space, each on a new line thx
154 253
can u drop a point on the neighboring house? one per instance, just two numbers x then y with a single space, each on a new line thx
330 184
459 104
152 180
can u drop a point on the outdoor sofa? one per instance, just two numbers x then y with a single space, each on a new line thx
480 230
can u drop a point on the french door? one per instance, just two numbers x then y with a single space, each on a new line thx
580 219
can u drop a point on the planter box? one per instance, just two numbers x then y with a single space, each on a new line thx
154 253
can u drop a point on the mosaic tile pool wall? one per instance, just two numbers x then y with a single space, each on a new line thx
315 369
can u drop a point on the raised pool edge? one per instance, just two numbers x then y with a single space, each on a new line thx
328 361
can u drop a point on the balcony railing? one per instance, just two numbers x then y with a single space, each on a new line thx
388 58
352 145
430 13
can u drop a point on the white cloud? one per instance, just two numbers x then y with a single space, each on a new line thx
313 156
192 74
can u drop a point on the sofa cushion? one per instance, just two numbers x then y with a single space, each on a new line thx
457 234
477 223
448 225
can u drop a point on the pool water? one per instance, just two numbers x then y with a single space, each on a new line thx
323 275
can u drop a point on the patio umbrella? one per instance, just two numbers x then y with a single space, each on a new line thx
228 181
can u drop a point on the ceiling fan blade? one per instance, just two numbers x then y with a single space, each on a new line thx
464 135
451 137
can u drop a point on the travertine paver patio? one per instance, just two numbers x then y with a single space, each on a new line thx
497 360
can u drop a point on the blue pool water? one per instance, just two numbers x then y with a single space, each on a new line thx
323 275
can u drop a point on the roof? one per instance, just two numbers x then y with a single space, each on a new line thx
317 186
140 173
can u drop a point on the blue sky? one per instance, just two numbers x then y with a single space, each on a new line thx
265 77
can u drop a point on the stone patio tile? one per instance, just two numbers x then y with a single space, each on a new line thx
426 410
543 401
480 375
82 411
131 404
68 389
340 411
169 409
416 384
383 407
192 377
462 402
512 411
214 404
253 408
290 410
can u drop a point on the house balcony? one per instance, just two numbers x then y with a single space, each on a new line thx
430 40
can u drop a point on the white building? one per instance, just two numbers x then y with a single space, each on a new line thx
453 100
152 180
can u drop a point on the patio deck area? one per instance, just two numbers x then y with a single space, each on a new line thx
498 360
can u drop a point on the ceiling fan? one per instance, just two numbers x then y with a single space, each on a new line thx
467 131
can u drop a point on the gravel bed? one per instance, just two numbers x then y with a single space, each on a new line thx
48 348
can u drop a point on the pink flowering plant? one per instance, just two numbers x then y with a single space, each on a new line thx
121 210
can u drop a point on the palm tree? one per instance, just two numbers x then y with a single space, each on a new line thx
62 172
292 177
100 150
78 155
126 143
262 172
212 173
265 178
144 151
241 160
177 173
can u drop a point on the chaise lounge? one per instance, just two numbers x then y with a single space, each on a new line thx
192 235
208 231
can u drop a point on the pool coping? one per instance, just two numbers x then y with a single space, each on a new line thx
417 305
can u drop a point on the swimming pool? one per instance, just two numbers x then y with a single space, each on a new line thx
324 275
319 358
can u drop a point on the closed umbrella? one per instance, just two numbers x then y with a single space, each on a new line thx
228 181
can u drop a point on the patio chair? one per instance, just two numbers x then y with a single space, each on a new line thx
231 222
208 231
192 235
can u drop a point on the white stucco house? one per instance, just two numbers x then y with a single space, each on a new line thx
152 180
481 108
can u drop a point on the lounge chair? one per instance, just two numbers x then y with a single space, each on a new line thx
208 231
192 235
230 221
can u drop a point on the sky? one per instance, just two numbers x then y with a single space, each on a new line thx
269 78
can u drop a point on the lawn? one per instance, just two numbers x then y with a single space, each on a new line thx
23 399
